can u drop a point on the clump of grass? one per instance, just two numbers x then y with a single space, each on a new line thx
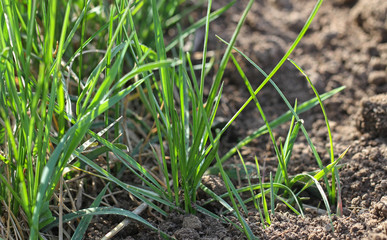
41 132
46 125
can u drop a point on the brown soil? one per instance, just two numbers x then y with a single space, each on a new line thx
345 45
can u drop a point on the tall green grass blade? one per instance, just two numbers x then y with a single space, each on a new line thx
332 192
67 145
222 66
339 209
279 64
256 203
191 29
30 32
290 206
12 25
248 179
324 197
205 44
57 74
81 20
226 179
249 87
94 80
263 195
272 195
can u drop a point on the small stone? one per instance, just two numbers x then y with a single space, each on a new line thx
355 202
381 207
372 117
186 234
328 227
377 78
377 64
282 4
371 17
214 183
193 222
377 236
356 186
356 228
382 186
343 2
281 207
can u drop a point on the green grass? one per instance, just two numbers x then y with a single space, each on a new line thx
67 73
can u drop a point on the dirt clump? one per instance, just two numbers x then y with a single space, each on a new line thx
373 116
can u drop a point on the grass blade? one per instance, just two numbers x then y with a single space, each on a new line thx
104 211
84 223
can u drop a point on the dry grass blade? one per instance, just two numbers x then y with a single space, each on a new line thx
124 223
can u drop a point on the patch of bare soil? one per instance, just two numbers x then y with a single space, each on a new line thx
346 45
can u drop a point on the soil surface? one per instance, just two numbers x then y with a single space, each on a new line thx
346 45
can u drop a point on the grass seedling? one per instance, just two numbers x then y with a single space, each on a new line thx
283 152
256 203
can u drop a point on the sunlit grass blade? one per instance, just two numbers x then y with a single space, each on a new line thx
267 186
323 172
30 31
289 205
316 155
272 195
279 64
65 148
263 194
324 197
191 29
12 24
332 192
339 209
256 204
222 66
277 151
204 58
286 152
94 81
226 179
282 118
